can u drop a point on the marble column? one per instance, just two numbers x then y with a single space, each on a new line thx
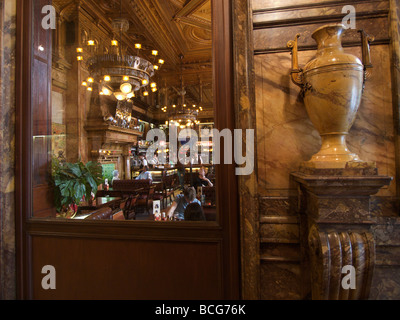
7 149
395 66
127 162
245 113
336 224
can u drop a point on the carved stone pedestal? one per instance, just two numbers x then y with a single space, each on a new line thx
335 223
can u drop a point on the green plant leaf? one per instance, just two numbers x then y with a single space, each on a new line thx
80 191
75 169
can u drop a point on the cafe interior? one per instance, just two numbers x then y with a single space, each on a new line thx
131 81
102 99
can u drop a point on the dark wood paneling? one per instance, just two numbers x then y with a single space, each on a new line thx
41 111
128 269
40 98
41 37
227 185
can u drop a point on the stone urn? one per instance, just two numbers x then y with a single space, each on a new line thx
332 86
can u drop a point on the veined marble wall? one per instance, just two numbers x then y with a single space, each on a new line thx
7 149
286 136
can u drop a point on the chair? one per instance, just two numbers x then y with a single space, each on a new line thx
176 184
168 189
159 193
146 201
129 208
118 214
209 194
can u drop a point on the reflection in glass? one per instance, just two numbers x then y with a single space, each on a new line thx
101 81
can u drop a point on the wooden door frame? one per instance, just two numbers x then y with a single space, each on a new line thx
226 228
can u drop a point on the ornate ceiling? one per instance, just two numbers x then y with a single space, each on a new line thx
173 27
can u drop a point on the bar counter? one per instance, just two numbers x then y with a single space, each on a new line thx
158 172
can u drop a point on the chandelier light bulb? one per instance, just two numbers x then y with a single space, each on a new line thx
145 82
79 58
126 88
79 50
114 43
90 43
154 89
161 61
89 89
154 52
156 67
107 78
153 85
119 95
84 83
125 78
130 95
138 46
106 91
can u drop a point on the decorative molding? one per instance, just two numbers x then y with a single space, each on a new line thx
317 19
189 8
330 252
313 5
348 44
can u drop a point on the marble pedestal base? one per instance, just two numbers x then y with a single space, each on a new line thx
335 224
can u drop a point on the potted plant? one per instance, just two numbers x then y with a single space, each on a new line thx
74 182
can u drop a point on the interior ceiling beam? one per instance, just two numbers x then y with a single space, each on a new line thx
195 23
189 8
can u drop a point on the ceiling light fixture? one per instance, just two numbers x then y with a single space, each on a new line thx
180 113
124 73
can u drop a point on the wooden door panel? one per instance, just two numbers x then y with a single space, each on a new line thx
127 269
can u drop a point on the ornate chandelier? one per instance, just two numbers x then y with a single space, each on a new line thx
183 115
118 73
